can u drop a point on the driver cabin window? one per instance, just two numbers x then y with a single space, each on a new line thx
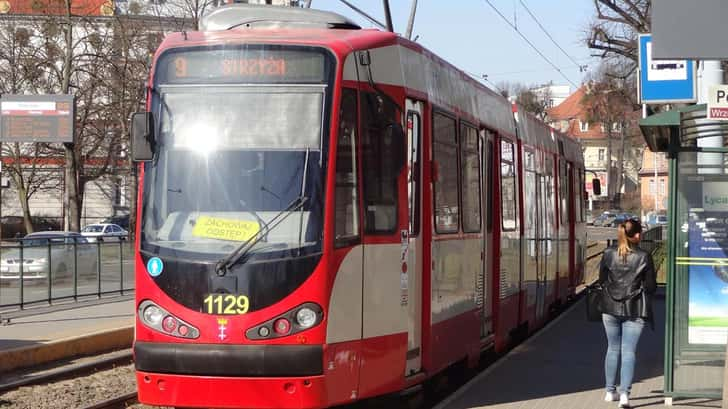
347 206
382 156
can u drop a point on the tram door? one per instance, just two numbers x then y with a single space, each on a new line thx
412 253
390 275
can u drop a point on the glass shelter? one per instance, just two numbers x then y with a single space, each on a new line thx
697 277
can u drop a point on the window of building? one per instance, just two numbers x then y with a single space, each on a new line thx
347 202
470 182
662 186
616 127
508 186
381 148
583 126
601 155
653 189
445 151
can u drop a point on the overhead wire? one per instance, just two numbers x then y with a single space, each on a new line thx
547 33
531 44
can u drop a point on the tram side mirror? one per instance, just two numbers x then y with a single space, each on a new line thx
397 146
142 136
596 187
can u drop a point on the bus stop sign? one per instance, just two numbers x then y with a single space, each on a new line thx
664 81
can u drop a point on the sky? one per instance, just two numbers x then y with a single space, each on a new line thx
472 36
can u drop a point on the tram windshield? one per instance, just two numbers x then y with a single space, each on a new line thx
229 160
240 134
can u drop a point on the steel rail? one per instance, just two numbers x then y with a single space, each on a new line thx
119 401
69 371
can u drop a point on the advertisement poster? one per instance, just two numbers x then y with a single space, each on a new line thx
707 263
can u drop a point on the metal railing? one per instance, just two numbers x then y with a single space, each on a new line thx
63 271
651 239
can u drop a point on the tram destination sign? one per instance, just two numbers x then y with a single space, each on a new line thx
235 65
36 118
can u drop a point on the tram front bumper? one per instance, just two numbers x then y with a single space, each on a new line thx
231 392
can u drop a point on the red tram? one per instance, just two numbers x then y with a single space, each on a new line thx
329 213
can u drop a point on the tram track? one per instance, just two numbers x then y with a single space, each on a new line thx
66 371
119 401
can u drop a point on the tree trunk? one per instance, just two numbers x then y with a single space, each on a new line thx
73 214
23 199
620 164
609 166
72 221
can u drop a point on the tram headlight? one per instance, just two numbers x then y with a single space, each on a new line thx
306 317
153 315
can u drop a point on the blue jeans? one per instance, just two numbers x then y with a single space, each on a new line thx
622 337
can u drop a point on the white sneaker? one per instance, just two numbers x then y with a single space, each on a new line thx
611 397
623 400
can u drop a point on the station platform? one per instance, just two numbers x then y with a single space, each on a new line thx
562 367
68 331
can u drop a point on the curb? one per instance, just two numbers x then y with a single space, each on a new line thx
88 344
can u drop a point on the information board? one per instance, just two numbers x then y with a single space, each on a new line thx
707 263
36 118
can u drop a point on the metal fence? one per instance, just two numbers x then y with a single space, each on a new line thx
63 270
651 239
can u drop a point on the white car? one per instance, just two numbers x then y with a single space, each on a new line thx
60 250
104 232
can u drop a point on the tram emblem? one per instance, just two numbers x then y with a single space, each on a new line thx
222 326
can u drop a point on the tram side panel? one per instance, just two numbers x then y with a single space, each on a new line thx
455 256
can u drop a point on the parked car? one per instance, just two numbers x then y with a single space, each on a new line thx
655 220
604 219
621 218
104 232
121 221
65 248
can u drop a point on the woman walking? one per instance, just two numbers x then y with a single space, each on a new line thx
627 274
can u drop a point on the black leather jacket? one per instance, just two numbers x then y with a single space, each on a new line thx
628 285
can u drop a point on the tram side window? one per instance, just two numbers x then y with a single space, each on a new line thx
414 124
563 193
508 186
582 189
380 168
489 186
470 168
347 206
446 174
578 189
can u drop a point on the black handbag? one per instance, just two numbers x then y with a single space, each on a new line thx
594 297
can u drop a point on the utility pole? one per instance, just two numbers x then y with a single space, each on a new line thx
411 21
388 16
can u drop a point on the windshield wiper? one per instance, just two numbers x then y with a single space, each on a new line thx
257 217
222 266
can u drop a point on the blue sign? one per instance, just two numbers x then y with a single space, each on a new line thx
155 266
664 81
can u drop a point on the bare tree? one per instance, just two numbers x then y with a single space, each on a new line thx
613 33
608 101
20 73
534 99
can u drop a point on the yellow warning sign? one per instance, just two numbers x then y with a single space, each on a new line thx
224 229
